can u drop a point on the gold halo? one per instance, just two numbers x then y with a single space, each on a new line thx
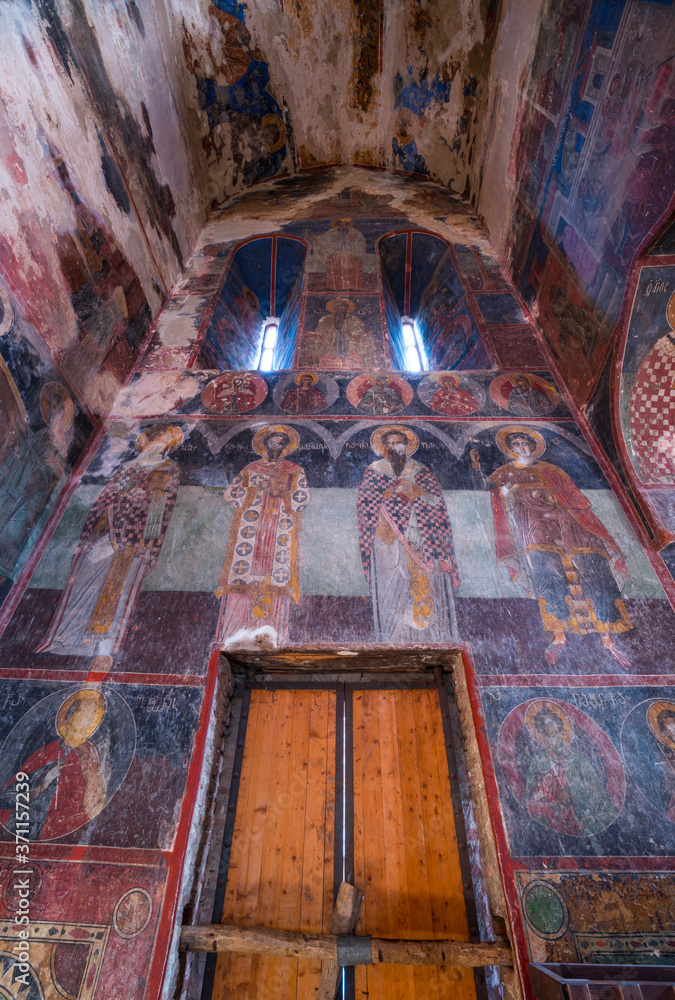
506 431
530 380
259 447
330 306
345 222
275 120
142 441
249 294
448 376
653 713
670 310
376 438
314 377
531 717
86 694
372 379
59 390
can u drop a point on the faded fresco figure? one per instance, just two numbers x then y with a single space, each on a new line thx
119 545
304 396
526 398
233 393
381 398
66 776
340 339
340 253
31 462
260 578
554 545
452 398
406 543
565 790
661 721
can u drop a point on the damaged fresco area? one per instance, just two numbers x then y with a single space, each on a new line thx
248 135
44 431
593 169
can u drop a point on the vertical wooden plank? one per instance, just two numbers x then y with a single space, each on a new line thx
394 977
368 767
358 749
421 982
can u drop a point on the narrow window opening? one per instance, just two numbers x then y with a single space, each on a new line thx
269 343
412 344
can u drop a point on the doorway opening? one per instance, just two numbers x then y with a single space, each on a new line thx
353 777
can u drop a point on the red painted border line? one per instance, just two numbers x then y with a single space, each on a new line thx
83 854
94 677
609 865
503 853
574 680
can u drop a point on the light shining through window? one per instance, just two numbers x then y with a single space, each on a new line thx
269 343
415 360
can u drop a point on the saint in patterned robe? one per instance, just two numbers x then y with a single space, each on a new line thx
407 553
558 550
118 547
259 580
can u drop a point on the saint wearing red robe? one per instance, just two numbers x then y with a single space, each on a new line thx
67 783
554 546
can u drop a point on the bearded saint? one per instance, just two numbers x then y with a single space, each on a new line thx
259 580
406 544
554 545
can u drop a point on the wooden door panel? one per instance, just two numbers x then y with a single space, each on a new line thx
405 844
281 868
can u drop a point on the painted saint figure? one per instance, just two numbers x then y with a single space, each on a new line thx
119 545
565 790
304 397
554 545
452 398
527 398
232 393
340 339
661 721
381 398
260 577
66 776
651 410
406 543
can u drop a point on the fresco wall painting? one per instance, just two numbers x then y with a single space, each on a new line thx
593 170
321 507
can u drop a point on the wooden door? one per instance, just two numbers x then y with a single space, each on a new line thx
406 859
352 784
280 872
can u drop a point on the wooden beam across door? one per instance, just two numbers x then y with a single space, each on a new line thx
343 950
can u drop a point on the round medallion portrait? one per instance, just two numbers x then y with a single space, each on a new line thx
648 746
524 394
76 750
451 394
561 767
379 394
233 393
305 392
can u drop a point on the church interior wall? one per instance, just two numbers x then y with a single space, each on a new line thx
146 145
574 631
